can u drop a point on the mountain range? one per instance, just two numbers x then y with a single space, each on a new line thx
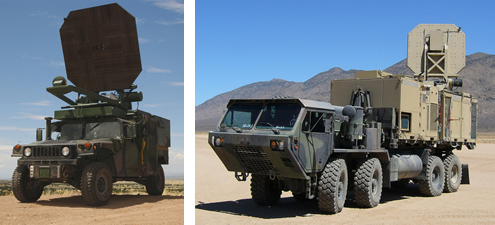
478 79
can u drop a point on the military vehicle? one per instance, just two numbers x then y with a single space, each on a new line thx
98 138
389 130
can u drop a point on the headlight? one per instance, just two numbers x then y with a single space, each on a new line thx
218 141
27 152
17 147
65 151
277 145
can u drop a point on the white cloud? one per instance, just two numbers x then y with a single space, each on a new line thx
158 70
30 56
40 103
24 115
177 83
6 147
2 166
140 20
173 5
177 21
179 157
10 128
56 64
143 40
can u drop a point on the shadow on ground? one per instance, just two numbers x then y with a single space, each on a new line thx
116 202
290 207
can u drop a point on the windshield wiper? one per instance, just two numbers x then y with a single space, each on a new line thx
98 124
236 129
275 131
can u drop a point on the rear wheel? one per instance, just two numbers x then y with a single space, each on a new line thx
264 191
25 189
96 184
332 186
368 181
433 184
156 184
453 173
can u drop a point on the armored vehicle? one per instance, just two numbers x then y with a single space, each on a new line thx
389 131
98 138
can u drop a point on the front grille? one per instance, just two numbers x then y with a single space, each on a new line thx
47 151
254 159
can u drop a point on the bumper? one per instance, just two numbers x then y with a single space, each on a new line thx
251 153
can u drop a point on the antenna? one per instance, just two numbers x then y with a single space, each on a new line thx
101 49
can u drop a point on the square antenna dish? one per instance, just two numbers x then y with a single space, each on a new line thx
101 49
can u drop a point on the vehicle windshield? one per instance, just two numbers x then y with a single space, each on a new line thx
278 116
71 132
94 130
103 130
242 116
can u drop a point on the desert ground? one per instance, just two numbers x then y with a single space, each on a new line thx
70 209
221 199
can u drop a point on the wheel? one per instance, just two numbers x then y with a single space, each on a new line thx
368 181
332 186
96 184
433 184
25 189
155 184
264 191
453 173
301 197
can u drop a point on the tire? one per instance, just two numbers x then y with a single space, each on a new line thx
264 191
368 181
433 184
453 173
156 184
96 184
25 189
332 186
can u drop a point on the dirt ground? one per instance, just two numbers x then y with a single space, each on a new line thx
221 199
70 209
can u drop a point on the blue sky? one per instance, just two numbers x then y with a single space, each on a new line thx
241 42
31 56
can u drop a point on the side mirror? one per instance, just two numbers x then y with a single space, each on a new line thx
129 131
39 134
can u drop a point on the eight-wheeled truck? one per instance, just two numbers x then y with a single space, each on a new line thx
391 129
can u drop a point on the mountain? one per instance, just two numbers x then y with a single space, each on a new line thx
478 79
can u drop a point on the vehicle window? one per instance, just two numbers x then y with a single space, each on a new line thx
278 116
71 132
314 122
103 130
242 115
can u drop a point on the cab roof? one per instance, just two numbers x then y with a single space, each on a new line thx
306 103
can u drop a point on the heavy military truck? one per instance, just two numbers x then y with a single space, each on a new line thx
391 130
98 138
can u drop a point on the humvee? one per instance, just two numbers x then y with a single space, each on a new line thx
98 138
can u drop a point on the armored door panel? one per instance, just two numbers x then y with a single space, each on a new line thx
315 141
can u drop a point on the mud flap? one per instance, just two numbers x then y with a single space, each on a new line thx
465 174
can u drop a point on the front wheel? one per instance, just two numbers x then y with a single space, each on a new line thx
264 191
96 184
332 186
25 189
156 183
